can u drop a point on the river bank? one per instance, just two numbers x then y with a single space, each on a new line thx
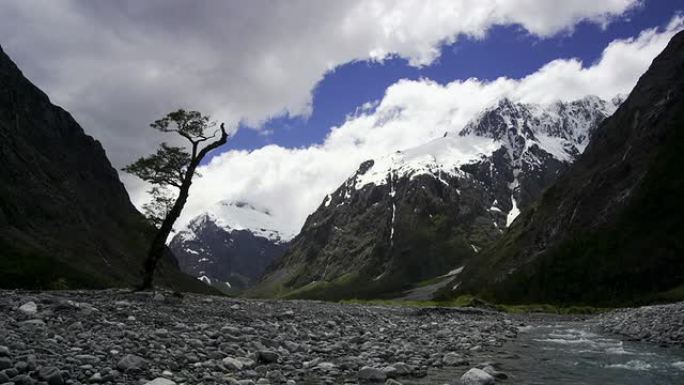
118 337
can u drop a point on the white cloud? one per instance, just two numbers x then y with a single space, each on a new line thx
118 65
293 182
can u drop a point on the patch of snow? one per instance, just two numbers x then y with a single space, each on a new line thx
231 215
513 213
453 272
440 157
475 248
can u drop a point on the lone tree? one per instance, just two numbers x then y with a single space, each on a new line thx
173 167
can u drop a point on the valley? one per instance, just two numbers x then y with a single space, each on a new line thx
397 193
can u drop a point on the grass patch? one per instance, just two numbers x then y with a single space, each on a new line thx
471 301
551 309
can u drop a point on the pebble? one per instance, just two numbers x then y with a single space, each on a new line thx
370 374
477 376
51 375
29 308
232 364
118 337
131 362
660 324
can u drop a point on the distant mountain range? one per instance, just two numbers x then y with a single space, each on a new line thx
417 214
571 202
230 247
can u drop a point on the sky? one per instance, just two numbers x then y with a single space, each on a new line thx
311 88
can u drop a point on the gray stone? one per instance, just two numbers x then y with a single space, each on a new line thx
401 369
51 375
33 323
29 308
453 359
268 356
495 373
4 351
232 363
476 376
23 379
131 362
370 374
87 358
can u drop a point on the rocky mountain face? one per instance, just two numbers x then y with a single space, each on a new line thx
609 230
65 218
224 256
426 211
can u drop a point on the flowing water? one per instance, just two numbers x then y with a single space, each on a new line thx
564 353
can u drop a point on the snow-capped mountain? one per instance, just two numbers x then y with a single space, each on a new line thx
419 213
609 230
230 246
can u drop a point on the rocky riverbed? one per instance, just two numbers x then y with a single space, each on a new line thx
118 337
662 324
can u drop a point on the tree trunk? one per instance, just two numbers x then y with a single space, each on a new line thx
158 246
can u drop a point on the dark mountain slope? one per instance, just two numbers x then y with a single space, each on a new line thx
422 213
217 253
65 218
611 230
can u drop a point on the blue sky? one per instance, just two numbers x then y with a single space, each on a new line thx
119 65
508 51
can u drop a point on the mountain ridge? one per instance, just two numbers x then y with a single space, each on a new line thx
230 256
610 223
422 212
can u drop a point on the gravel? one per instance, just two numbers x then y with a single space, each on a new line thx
118 337
662 324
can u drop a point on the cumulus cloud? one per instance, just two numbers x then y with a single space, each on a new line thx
118 65
293 182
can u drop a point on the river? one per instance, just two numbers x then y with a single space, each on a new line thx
561 352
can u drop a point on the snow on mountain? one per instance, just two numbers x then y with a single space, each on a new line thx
230 251
420 213
242 215
560 129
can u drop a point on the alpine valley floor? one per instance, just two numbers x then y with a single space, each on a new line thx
119 337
